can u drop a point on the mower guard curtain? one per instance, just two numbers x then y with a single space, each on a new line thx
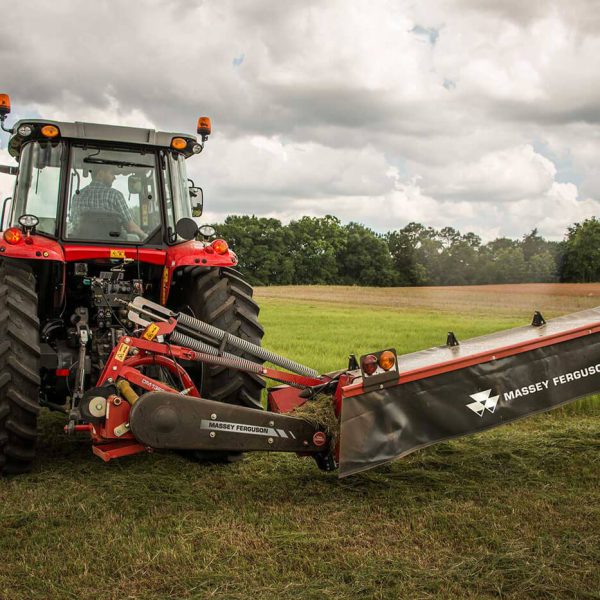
562 364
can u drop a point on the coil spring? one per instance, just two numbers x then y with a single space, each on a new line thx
240 344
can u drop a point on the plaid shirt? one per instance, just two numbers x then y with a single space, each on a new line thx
102 198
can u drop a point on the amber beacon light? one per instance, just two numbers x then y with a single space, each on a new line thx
4 104
204 126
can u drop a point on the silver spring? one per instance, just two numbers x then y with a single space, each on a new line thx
244 345
226 359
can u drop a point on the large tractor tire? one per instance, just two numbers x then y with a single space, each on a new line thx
19 366
222 298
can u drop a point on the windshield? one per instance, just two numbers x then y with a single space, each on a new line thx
38 184
112 195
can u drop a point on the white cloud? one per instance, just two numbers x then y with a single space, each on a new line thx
380 112
504 176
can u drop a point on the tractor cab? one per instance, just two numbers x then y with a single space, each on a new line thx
101 215
103 184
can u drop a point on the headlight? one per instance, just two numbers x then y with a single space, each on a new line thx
196 148
24 130
28 221
207 231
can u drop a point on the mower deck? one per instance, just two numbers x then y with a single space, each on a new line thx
451 391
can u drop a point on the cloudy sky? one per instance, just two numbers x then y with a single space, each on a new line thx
479 114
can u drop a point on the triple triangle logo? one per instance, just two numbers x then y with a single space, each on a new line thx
483 402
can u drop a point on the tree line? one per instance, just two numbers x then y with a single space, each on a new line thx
322 250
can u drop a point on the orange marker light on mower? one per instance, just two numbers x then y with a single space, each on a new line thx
178 143
369 364
204 126
220 246
50 131
13 235
4 104
387 360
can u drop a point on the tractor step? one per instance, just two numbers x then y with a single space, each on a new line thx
172 421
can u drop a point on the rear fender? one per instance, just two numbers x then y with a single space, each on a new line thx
191 254
34 247
46 257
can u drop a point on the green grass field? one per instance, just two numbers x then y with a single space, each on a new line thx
513 513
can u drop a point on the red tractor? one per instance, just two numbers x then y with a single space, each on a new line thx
119 311
101 214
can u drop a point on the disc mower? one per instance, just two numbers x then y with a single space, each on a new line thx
118 311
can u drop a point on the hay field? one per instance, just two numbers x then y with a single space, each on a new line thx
552 299
512 513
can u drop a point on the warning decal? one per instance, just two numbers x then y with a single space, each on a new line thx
122 352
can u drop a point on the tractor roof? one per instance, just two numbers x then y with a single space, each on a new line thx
97 132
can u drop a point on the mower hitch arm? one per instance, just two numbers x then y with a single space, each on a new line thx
191 325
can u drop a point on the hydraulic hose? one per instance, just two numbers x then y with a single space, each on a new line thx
232 340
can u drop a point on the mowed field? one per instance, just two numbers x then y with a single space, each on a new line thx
513 300
513 513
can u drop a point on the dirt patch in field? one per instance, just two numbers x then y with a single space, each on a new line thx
551 298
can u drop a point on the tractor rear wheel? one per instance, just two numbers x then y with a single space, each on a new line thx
19 366
222 298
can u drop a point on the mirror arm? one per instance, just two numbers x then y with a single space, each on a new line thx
2 119
9 170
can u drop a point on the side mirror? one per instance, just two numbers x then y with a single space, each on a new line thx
7 170
134 184
197 198
186 228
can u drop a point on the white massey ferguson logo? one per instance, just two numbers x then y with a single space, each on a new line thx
483 401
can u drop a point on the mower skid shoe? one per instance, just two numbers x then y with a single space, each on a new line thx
444 393
172 421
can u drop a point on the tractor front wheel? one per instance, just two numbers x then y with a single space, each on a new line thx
19 366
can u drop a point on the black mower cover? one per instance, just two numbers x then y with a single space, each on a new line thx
447 392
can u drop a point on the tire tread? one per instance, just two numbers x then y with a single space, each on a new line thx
19 366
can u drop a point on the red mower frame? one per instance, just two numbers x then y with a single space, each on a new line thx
113 439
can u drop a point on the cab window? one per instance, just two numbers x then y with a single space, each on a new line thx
112 195
38 184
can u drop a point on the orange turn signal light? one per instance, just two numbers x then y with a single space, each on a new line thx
220 246
13 235
50 131
204 126
4 104
179 143
387 360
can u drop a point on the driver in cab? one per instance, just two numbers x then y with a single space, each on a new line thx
100 197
